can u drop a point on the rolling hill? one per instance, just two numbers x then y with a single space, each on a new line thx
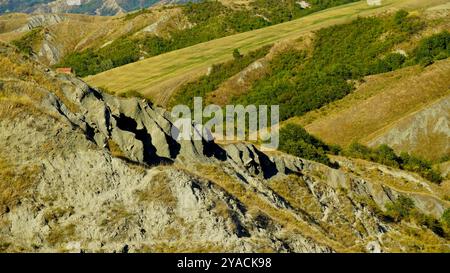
92 44
50 37
159 76
406 109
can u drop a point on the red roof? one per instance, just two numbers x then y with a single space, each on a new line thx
66 70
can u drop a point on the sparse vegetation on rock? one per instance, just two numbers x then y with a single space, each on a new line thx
386 155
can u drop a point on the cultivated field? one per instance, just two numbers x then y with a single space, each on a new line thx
158 76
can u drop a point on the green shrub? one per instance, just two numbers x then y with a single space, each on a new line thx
236 54
406 23
297 141
435 47
385 155
426 61
404 209
428 222
358 150
420 166
391 62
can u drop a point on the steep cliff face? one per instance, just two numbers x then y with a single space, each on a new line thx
81 170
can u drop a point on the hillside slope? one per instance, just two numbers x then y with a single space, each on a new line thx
126 38
409 102
406 109
424 133
159 76
53 36
81 170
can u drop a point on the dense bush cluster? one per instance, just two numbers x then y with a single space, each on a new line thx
297 141
89 62
433 48
211 19
386 156
390 62
341 55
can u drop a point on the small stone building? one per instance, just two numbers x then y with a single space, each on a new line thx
374 2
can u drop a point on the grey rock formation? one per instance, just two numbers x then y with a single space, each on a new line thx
42 20
411 132
81 170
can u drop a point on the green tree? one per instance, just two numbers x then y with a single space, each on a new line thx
236 54
386 155
358 150
295 140
433 48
